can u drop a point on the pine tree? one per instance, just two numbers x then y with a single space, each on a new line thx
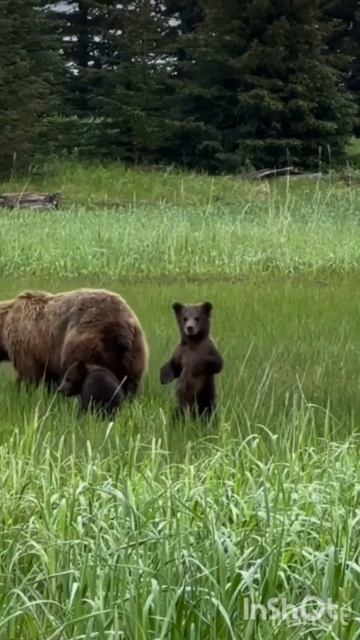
260 89
82 26
28 79
132 99
117 75
183 17
344 41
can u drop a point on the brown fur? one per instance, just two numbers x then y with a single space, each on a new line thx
4 308
43 334
97 387
195 361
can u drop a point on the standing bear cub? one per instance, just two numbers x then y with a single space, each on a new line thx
98 389
195 361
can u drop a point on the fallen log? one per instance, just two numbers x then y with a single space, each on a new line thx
291 172
30 200
265 174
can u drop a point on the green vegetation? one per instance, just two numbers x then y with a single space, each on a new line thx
121 223
145 529
354 153
206 85
29 63
257 86
124 539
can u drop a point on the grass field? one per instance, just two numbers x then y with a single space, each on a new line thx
146 530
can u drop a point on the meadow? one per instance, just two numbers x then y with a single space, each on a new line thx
142 529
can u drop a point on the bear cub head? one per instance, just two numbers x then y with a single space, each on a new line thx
194 320
97 387
73 380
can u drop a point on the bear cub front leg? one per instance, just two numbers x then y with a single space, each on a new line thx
171 369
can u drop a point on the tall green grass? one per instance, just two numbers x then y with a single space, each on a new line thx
121 540
166 243
148 529
145 529
171 225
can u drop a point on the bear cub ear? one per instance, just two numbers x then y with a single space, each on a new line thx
177 307
207 307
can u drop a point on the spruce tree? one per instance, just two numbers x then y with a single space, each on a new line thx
132 98
82 26
183 17
29 72
260 88
344 41
116 75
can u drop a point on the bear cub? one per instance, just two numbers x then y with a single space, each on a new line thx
98 388
195 361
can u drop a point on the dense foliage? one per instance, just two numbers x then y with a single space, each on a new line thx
205 84
30 66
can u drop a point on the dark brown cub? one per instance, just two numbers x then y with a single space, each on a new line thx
195 361
98 389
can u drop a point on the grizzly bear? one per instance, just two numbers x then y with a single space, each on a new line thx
195 361
43 334
98 389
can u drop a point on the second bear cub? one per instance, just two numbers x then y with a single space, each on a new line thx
195 361
98 388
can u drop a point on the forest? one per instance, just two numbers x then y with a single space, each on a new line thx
200 84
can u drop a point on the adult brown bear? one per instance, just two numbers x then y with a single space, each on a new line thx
43 334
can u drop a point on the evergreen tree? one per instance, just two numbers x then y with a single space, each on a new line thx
184 14
83 26
183 17
28 79
259 88
132 99
344 42
117 75
180 19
